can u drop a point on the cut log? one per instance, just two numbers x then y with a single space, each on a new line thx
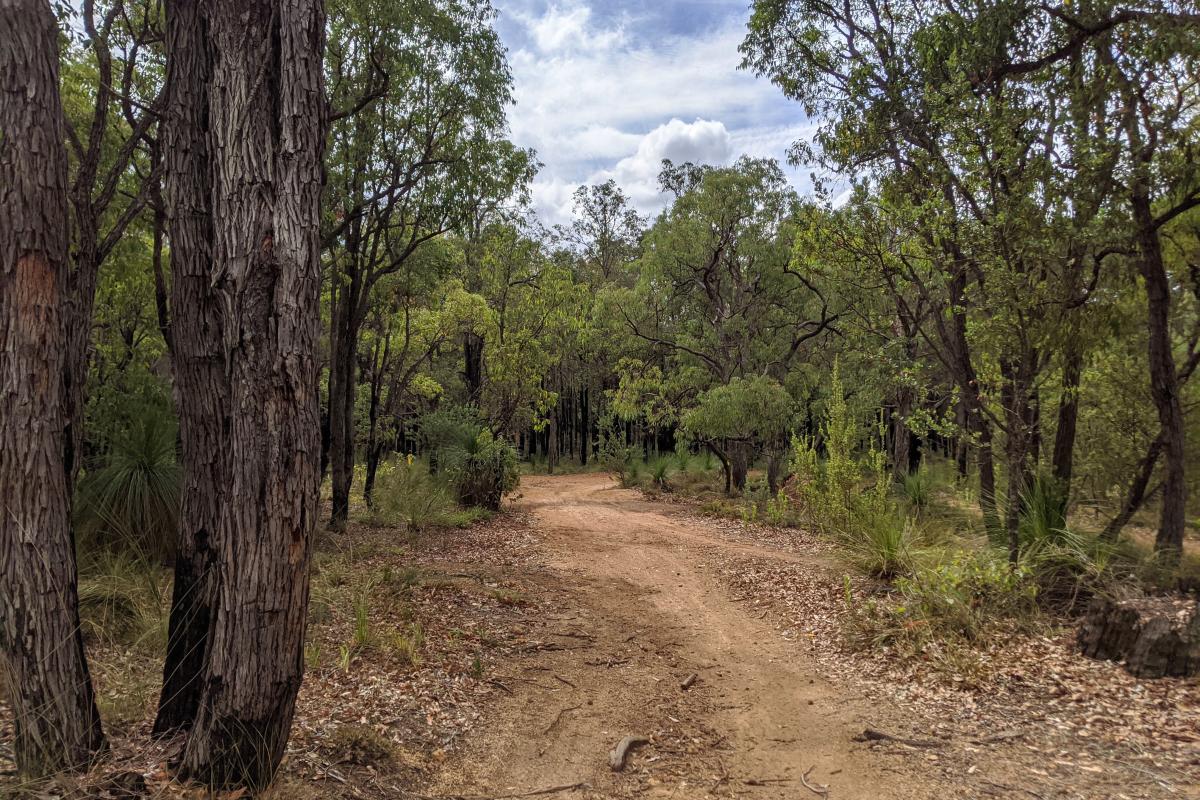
1155 637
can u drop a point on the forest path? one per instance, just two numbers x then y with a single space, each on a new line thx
636 611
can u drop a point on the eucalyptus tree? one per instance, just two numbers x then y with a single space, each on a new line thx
419 93
606 232
1032 149
112 91
56 724
719 296
248 110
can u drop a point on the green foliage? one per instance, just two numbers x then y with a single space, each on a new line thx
131 502
482 467
917 487
408 496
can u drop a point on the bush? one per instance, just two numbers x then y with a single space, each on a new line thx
407 495
660 470
484 470
481 467
917 487
131 502
957 600
882 544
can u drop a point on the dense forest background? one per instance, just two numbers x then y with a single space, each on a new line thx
989 306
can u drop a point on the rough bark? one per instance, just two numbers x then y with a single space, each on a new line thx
1063 458
56 725
1135 493
198 363
1164 380
1156 637
267 117
341 400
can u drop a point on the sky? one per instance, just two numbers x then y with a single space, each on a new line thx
607 89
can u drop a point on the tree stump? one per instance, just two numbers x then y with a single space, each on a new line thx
1156 636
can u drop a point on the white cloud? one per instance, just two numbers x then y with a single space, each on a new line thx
563 27
607 97
700 142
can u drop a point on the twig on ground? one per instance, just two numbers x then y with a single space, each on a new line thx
500 685
820 789
559 717
564 680
873 735
689 681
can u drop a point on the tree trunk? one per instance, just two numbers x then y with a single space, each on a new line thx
473 365
739 465
1135 493
585 429
341 403
902 437
552 441
1063 458
56 725
201 393
1018 413
267 123
1164 380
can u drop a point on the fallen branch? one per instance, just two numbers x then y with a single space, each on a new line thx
872 735
618 755
564 680
500 685
559 717
689 681
820 789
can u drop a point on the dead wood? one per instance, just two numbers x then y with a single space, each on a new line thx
873 735
689 681
619 754
818 789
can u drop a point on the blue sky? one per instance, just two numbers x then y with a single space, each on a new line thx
609 89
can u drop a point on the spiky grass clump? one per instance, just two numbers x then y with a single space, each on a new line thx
131 502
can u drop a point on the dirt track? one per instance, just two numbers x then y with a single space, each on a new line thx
637 612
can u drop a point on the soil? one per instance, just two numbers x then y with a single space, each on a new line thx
639 611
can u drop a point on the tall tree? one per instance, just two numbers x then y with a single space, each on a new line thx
57 725
198 362
419 117
266 130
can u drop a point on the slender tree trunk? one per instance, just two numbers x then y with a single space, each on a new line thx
56 725
552 441
341 404
739 465
1018 415
473 365
198 360
1063 458
585 430
1135 493
1164 380
267 122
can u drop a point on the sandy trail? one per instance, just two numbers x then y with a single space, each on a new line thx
637 612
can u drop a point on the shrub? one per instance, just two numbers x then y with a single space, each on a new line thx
483 470
481 467
917 487
882 544
131 501
660 470
956 600
407 495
